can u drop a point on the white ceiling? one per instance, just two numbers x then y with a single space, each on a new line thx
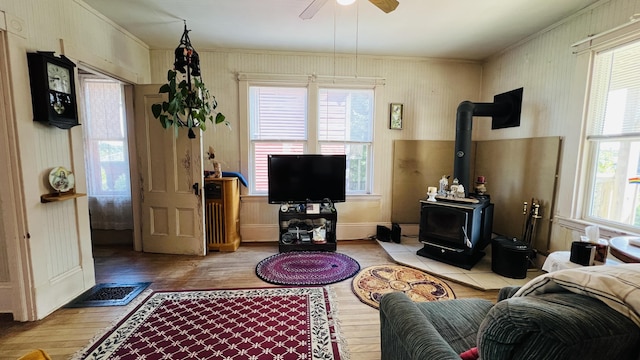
460 29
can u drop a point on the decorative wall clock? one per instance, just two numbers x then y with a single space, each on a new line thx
53 90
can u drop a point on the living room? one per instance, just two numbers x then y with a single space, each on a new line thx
48 249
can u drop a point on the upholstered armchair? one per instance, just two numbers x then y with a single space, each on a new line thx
542 321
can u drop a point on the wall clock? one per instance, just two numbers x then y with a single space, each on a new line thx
53 90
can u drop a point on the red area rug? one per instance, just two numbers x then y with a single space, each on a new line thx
307 268
258 324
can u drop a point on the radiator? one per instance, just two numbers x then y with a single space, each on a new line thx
222 212
215 224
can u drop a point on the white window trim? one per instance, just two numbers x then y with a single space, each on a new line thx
313 83
578 225
254 198
587 49
624 33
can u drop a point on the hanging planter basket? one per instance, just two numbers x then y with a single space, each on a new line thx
189 103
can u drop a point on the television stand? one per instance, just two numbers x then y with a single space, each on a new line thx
300 230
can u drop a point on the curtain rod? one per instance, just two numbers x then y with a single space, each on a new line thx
632 20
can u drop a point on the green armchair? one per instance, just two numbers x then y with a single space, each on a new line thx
560 325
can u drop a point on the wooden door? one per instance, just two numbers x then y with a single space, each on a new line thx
171 178
15 281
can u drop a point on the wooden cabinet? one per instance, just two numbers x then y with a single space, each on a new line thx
297 230
222 213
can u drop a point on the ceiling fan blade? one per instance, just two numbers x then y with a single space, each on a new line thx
385 5
312 9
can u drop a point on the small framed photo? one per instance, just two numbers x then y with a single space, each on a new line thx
395 116
313 208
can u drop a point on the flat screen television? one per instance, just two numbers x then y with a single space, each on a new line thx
306 178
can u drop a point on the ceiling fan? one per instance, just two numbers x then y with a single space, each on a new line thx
384 5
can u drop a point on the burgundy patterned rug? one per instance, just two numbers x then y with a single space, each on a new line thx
307 268
260 324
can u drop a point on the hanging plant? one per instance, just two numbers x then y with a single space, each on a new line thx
189 102
187 105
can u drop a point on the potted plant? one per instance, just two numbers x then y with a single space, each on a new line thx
189 104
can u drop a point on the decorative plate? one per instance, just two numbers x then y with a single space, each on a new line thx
61 179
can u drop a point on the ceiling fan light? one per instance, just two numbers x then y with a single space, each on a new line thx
345 2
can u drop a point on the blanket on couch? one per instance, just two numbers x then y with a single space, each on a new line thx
617 286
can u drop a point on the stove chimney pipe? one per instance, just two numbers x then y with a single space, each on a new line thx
505 111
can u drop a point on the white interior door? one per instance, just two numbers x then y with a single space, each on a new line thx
171 175
15 295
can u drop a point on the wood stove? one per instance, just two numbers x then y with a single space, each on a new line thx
455 232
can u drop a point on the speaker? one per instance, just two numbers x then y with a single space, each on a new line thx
582 253
383 233
509 258
395 233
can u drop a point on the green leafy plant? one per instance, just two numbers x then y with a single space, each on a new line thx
189 105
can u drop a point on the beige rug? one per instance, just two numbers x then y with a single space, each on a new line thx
371 283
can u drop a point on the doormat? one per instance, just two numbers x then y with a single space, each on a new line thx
262 323
373 282
108 294
307 268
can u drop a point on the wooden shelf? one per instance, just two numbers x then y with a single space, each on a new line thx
46 198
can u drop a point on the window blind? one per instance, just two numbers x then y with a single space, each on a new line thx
278 113
615 94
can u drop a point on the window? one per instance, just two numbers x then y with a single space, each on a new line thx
107 154
613 138
278 125
281 122
345 126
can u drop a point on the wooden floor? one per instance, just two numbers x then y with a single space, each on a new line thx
66 331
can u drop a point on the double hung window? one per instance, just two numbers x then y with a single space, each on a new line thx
311 119
613 138
106 154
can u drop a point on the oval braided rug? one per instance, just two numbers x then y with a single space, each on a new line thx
373 282
307 268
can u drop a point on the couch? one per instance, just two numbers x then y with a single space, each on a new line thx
546 319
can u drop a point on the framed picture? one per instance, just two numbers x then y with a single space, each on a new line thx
395 116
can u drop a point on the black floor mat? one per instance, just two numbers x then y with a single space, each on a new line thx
110 294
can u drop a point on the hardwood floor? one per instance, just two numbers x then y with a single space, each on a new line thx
68 330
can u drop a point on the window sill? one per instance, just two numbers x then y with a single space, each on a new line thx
350 198
579 225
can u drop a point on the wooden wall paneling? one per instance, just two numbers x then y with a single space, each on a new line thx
430 90
417 164
59 247
554 80
516 171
